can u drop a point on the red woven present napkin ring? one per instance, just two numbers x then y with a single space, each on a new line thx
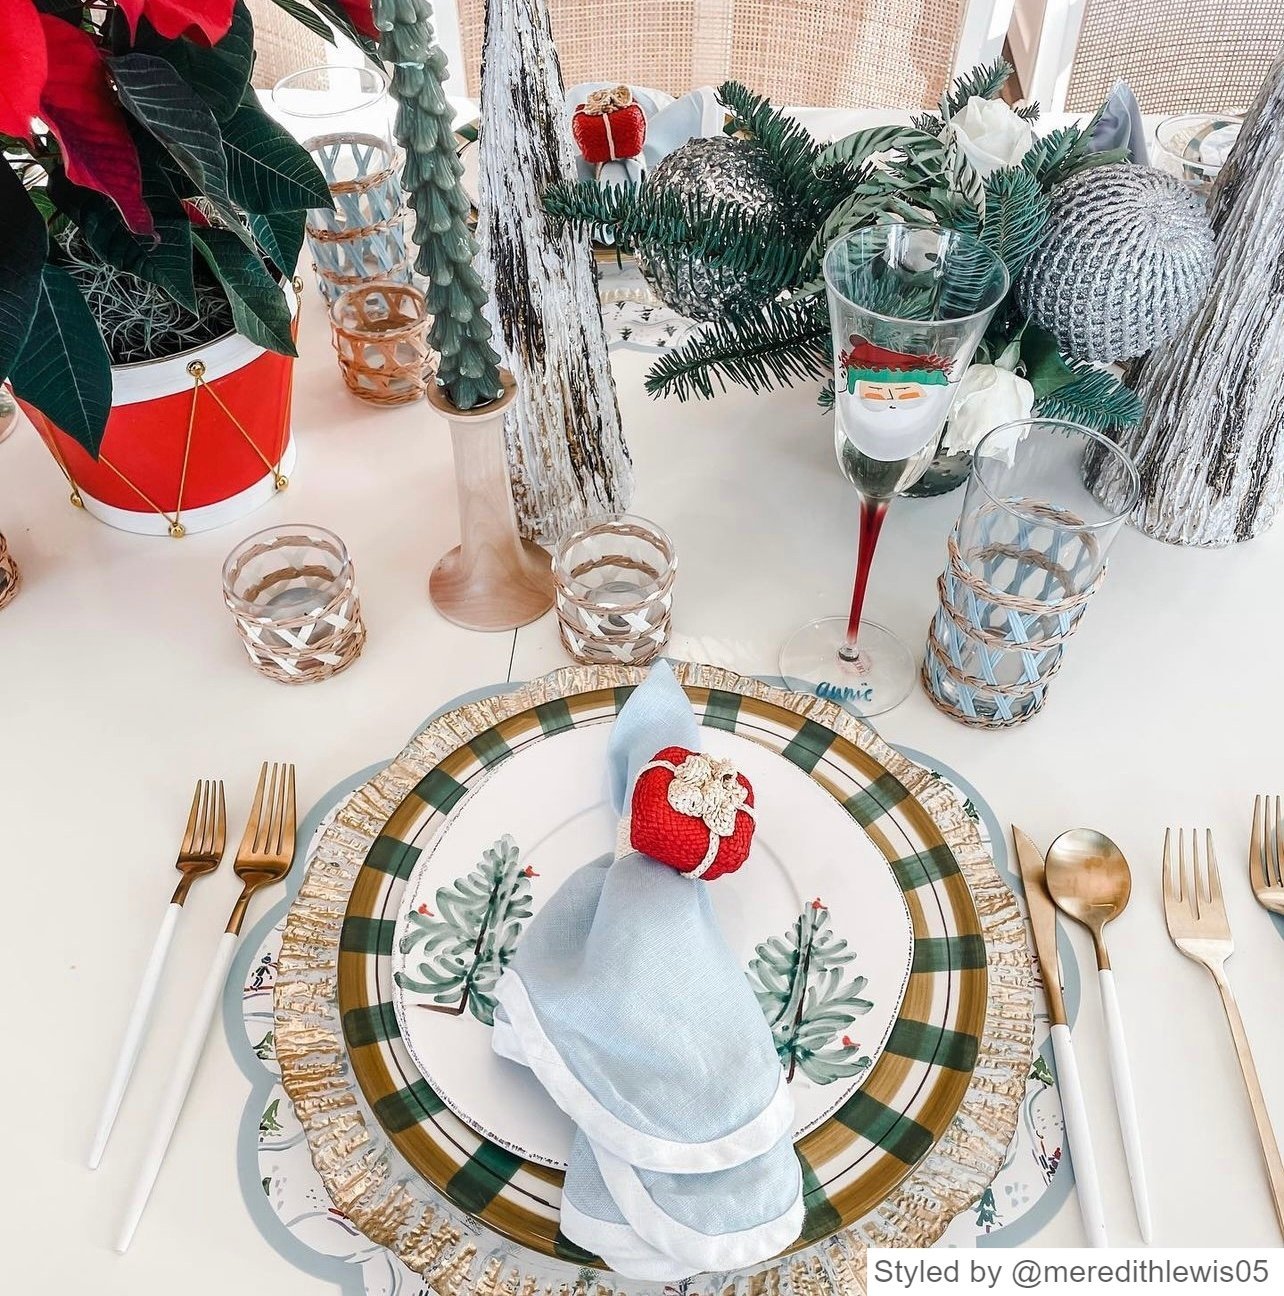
692 812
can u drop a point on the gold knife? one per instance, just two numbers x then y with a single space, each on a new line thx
1043 921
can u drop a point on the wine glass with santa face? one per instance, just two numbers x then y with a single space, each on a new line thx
907 306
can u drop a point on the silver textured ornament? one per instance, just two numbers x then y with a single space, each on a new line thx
717 169
1126 259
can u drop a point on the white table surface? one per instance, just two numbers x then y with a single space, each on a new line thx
123 682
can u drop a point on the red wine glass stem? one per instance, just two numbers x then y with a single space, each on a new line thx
872 513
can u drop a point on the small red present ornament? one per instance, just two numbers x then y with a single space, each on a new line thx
692 812
609 126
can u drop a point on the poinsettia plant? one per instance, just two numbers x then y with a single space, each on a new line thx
138 164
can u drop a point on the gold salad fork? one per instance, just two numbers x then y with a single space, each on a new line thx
1266 854
1196 916
200 853
265 855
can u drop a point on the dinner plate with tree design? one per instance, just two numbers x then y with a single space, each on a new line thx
851 921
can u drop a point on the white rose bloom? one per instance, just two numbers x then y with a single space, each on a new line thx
990 134
986 397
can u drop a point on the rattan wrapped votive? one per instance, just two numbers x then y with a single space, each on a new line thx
9 576
614 589
292 593
381 334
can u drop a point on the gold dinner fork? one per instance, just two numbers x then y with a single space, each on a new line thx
1266 855
200 853
1196 916
265 855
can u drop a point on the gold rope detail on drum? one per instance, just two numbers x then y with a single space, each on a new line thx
367 1178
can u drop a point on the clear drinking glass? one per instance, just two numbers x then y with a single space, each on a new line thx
907 308
614 587
1028 554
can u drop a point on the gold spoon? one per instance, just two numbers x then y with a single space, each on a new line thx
1089 881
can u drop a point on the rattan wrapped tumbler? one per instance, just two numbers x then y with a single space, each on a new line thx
292 593
380 332
342 115
1024 562
9 576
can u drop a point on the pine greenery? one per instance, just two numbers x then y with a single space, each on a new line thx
916 174
469 366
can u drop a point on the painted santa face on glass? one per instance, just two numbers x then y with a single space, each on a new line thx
891 403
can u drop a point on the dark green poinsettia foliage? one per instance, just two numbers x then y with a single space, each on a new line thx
131 134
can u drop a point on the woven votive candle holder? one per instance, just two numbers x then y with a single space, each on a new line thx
614 590
1026 558
292 592
380 332
9 576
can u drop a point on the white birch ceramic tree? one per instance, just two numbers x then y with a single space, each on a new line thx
566 449
1209 447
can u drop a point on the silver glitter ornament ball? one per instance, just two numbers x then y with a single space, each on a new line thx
1126 258
717 169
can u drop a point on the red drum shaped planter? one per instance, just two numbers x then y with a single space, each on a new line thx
193 441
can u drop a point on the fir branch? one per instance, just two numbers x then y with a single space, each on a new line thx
786 141
1016 214
984 82
1059 154
1028 112
773 347
1093 397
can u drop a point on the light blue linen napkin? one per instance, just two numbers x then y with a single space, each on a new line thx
1120 124
625 1001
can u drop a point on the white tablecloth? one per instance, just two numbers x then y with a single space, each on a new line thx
123 681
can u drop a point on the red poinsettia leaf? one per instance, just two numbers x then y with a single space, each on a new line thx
203 21
26 66
361 16
81 109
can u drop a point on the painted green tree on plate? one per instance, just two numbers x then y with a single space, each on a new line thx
809 1000
465 945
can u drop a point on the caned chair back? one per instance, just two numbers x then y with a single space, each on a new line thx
282 44
830 53
1177 55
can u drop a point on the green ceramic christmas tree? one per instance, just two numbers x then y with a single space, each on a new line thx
469 367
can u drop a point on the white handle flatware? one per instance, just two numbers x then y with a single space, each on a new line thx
1079 1137
1125 1102
1043 925
264 856
200 853
184 1068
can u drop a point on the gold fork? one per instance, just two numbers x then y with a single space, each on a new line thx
200 853
265 855
1196 916
1266 855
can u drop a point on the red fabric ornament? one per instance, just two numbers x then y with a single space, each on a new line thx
82 111
692 812
609 126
